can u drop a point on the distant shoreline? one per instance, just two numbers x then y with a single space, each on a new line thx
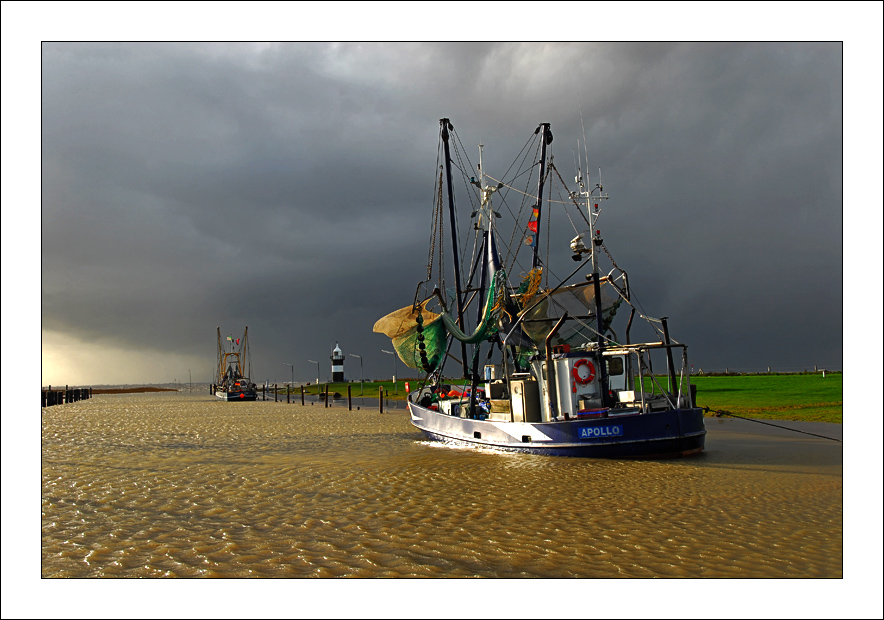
131 390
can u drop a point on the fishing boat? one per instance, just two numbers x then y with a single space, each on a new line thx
556 377
232 381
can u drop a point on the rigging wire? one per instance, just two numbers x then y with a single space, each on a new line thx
537 143
532 138
437 201
642 313
527 198
572 201
548 219
521 170
652 321
518 228
524 153
460 154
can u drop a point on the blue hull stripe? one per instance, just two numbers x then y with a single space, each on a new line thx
669 433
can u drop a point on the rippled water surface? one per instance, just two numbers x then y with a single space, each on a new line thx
178 484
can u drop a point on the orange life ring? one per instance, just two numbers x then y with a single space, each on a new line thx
576 372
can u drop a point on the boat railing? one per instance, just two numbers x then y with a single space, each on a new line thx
675 395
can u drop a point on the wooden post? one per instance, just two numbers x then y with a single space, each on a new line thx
275 392
349 399
288 394
302 394
381 398
326 396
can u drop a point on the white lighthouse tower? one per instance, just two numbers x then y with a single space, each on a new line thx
337 358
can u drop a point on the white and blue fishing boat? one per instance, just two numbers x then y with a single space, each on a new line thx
232 382
556 379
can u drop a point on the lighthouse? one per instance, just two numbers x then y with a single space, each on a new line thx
337 359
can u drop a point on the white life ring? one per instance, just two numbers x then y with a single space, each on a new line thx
579 377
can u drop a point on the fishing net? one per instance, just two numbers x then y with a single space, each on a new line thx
411 327
529 287
579 302
490 317
419 335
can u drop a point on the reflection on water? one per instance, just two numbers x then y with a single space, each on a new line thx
174 484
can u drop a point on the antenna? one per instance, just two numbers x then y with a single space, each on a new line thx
583 128
579 178
577 162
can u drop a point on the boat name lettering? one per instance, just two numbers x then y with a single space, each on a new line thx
615 430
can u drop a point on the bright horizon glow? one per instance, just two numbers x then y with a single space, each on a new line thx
67 360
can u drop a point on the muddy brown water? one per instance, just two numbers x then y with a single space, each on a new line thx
183 485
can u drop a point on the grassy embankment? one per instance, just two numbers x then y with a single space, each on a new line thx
368 390
131 390
801 397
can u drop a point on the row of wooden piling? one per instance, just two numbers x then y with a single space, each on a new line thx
71 395
325 399
67 395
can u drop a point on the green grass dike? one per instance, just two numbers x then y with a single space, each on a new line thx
802 397
367 390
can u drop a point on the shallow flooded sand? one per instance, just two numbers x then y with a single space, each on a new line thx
183 485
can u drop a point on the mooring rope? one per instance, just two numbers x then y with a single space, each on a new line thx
733 415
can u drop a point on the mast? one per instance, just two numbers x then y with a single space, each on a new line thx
245 353
546 139
446 125
490 264
596 242
220 372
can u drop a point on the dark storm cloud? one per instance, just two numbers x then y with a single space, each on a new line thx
289 187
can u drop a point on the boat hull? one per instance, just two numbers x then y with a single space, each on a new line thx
664 434
236 395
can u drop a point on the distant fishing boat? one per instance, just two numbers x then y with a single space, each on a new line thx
564 383
232 381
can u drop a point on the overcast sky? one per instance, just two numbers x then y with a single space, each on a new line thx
181 187
288 187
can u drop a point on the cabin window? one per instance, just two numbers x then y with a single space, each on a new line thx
614 366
